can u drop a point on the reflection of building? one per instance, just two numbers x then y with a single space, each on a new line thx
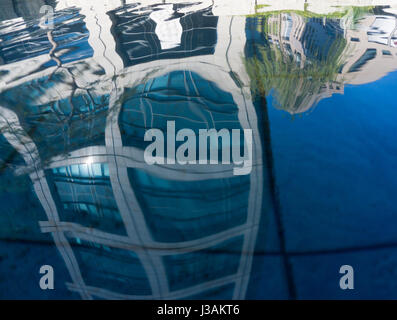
12 9
324 7
306 42
346 54
372 49
125 229
122 227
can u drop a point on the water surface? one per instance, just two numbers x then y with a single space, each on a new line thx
315 84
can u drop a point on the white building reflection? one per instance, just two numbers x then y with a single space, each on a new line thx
368 50
99 213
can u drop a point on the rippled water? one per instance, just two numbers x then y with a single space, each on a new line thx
315 83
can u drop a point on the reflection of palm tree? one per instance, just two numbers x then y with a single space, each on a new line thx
357 13
292 84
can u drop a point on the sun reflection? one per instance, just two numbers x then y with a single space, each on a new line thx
89 161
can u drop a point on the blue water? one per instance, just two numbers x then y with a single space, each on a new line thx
336 178
77 194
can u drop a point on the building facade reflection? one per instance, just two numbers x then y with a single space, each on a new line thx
314 56
123 228
76 106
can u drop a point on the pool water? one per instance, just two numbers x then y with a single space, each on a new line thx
82 82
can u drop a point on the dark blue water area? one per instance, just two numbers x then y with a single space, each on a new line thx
20 263
22 258
337 180
335 169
